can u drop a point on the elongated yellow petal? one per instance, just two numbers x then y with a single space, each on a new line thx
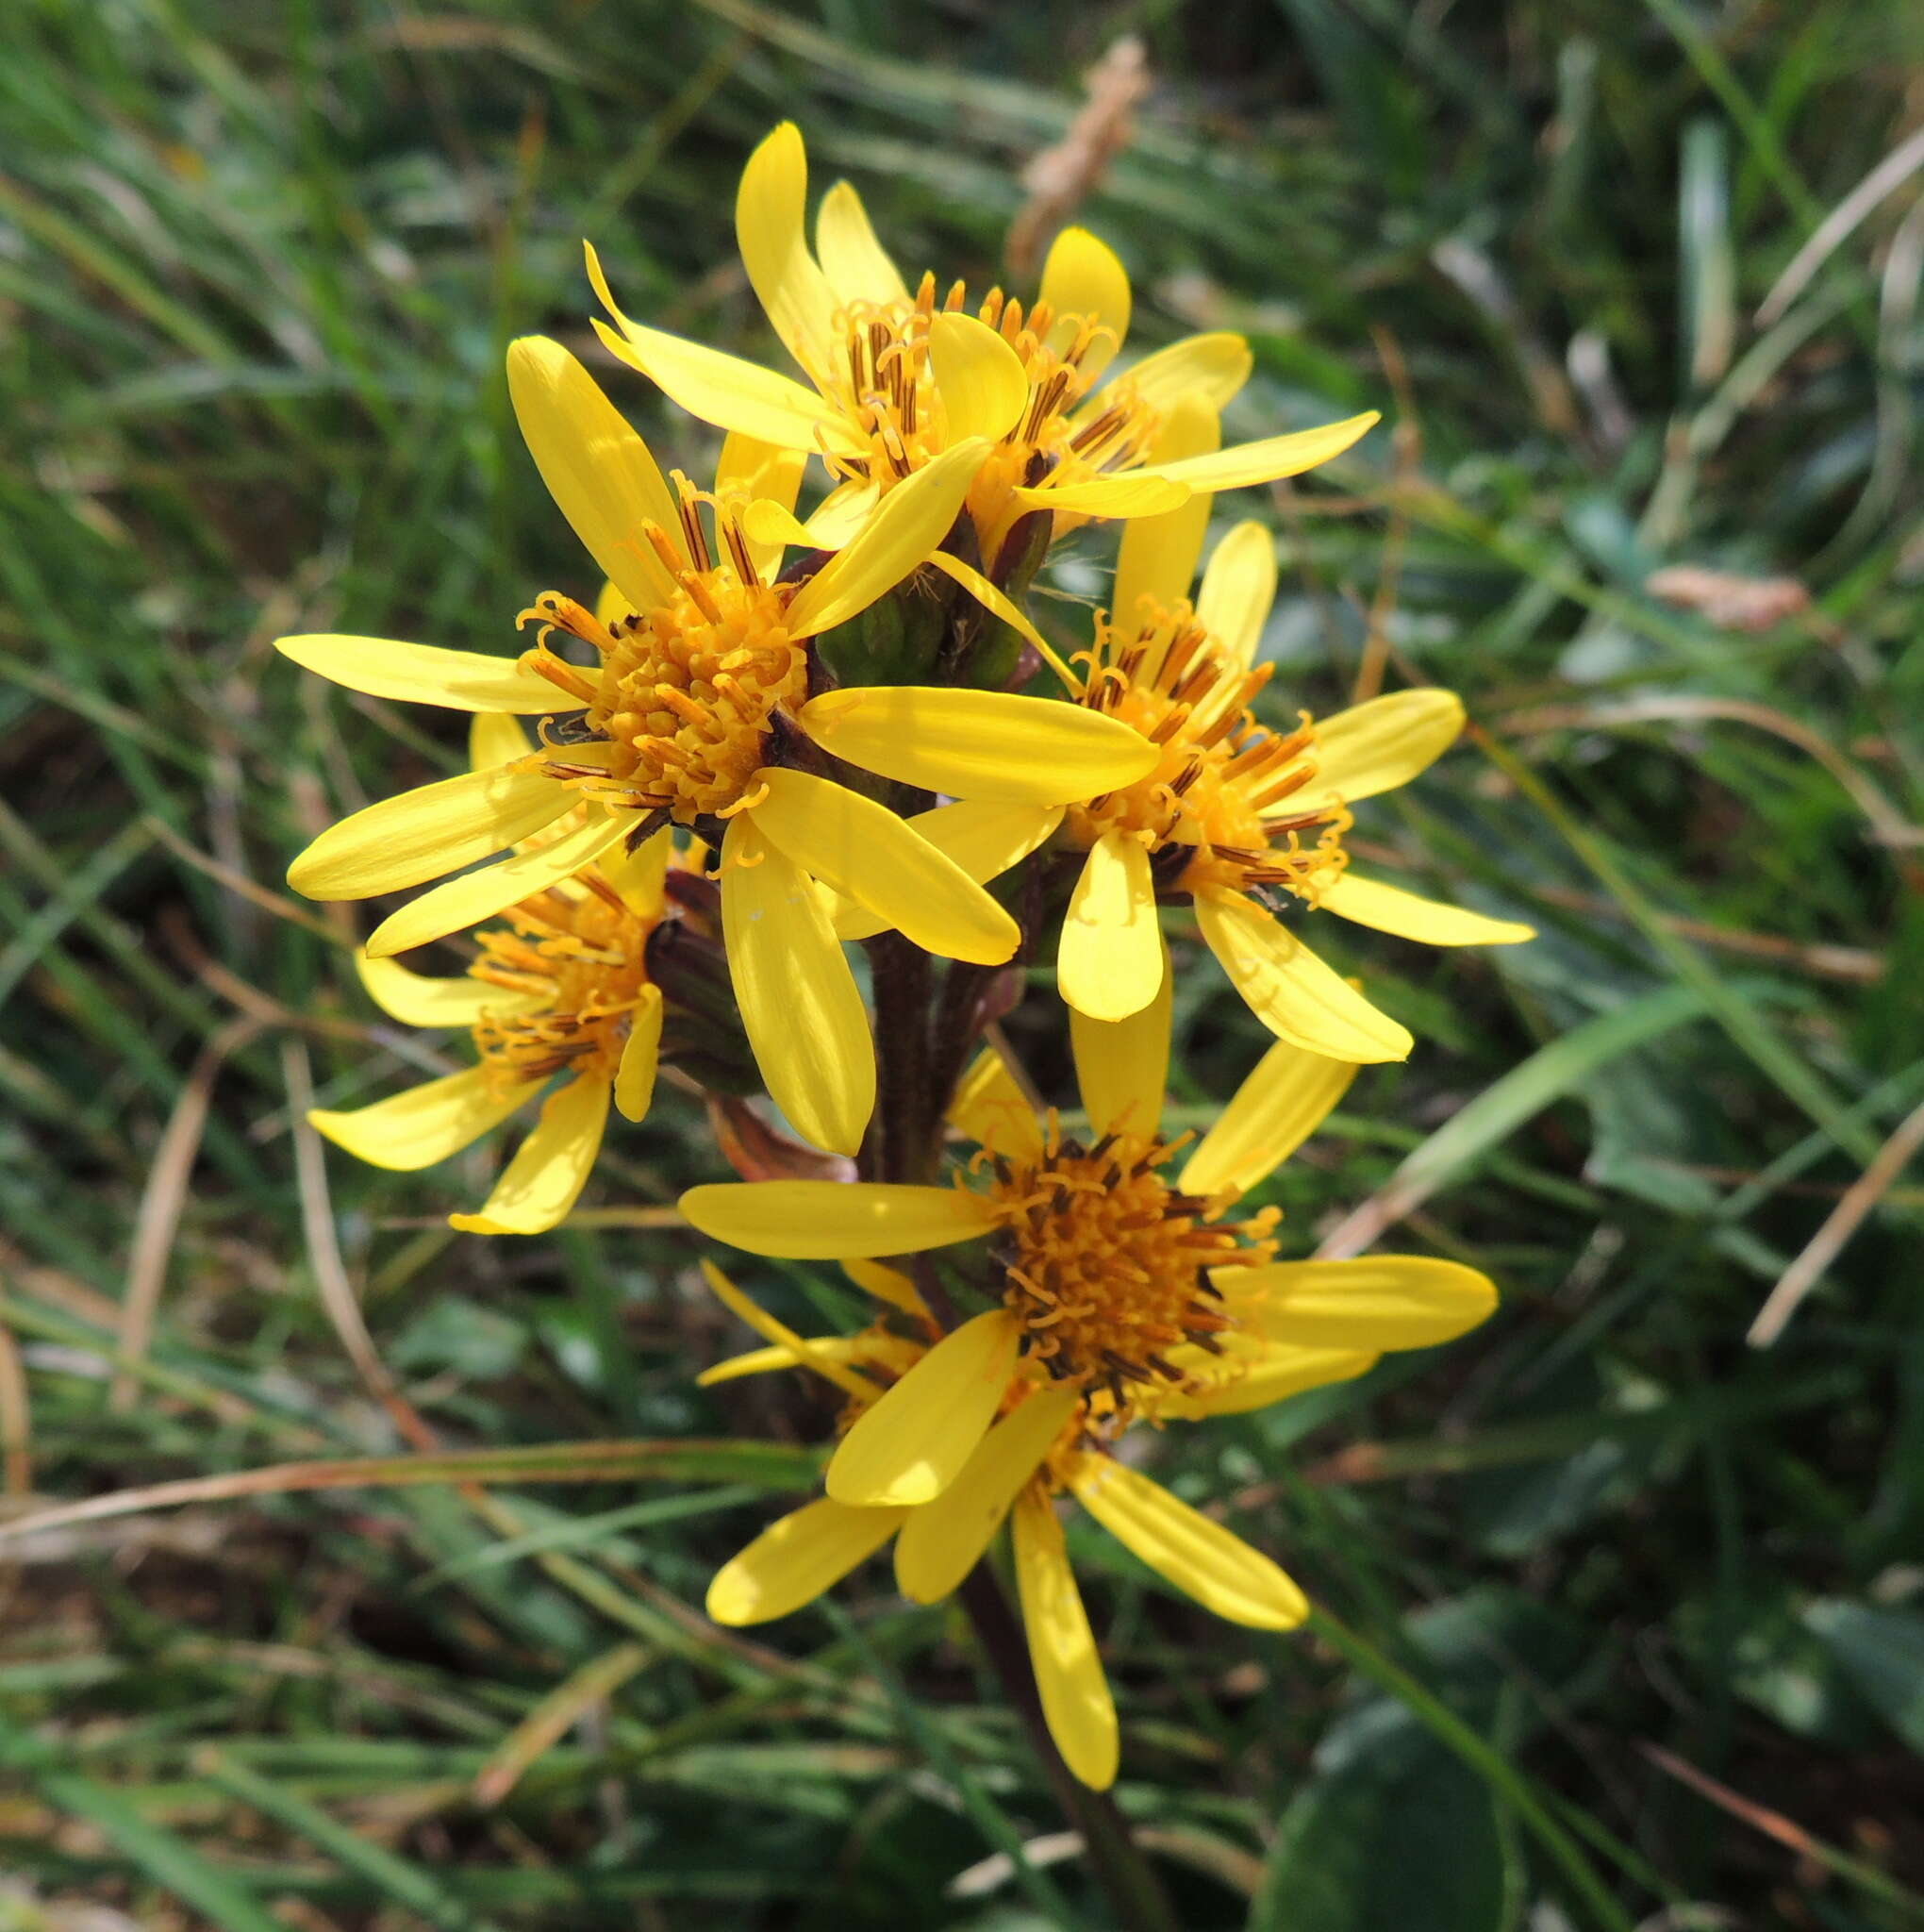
985 744
857 266
433 830
638 875
424 673
417 1000
866 853
1282 1103
1083 281
425 1123
1062 1648
1132 494
770 215
793 1560
981 380
1265 461
1290 991
1241 1385
1111 958
1376 746
1158 554
1388 908
597 469
993 1110
994 600
1374 1302
1212 1564
800 1006
1207 368
911 1445
889 1285
829 1365
834 1220
1122 1066
610 607
767 474
551 1167
908 523
840 1349
839 518
1237 589
457 903
496 739
943 1539
981 835
635 1077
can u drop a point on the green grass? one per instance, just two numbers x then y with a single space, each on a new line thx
257 269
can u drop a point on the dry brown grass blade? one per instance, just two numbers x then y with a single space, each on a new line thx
552 1718
277 903
16 1420
1064 176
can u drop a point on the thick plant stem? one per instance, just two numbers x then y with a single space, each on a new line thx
1114 1858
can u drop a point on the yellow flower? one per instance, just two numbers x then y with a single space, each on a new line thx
1122 1296
896 380
704 668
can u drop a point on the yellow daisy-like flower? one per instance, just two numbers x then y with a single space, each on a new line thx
1122 1296
896 380
703 675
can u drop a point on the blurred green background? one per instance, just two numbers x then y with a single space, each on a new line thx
1636 1606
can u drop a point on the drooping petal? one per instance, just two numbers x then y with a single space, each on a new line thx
800 1006
551 1167
1130 494
433 830
638 875
635 1077
793 1560
1062 1648
1237 589
1373 1302
1157 557
1273 457
908 523
496 739
801 1354
1242 1384
597 469
771 215
1388 908
943 1539
981 380
889 1285
1083 281
984 744
1111 958
1201 1557
459 902
999 605
425 1124
418 1000
840 1349
424 673
981 835
912 1444
1376 746
857 266
993 1111
1122 1066
834 1220
767 473
1290 991
1282 1103
866 853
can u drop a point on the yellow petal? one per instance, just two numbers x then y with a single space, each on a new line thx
793 1560
1158 554
496 738
856 264
1111 958
840 1349
551 1167
1208 370
1217 1388
1282 1103
801 1354
981 835
908 523
425 1124
610 607
433 830
993 1110
635 1077
981 380
839 518
800 1006
766 473
1122 1066
1237 589
979 743
1212 1564
770 212
834 1220
1377 746
866 853
1131 495
424 673
457 903
1374 1302
1290 991
889 1285
943 1539
1265 461
417 1000
1081 280
597 469
1388 908
638 875
911 1445
1062 1648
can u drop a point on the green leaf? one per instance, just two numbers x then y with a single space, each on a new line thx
1882 1650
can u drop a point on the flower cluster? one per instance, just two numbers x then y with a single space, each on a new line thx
779 731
